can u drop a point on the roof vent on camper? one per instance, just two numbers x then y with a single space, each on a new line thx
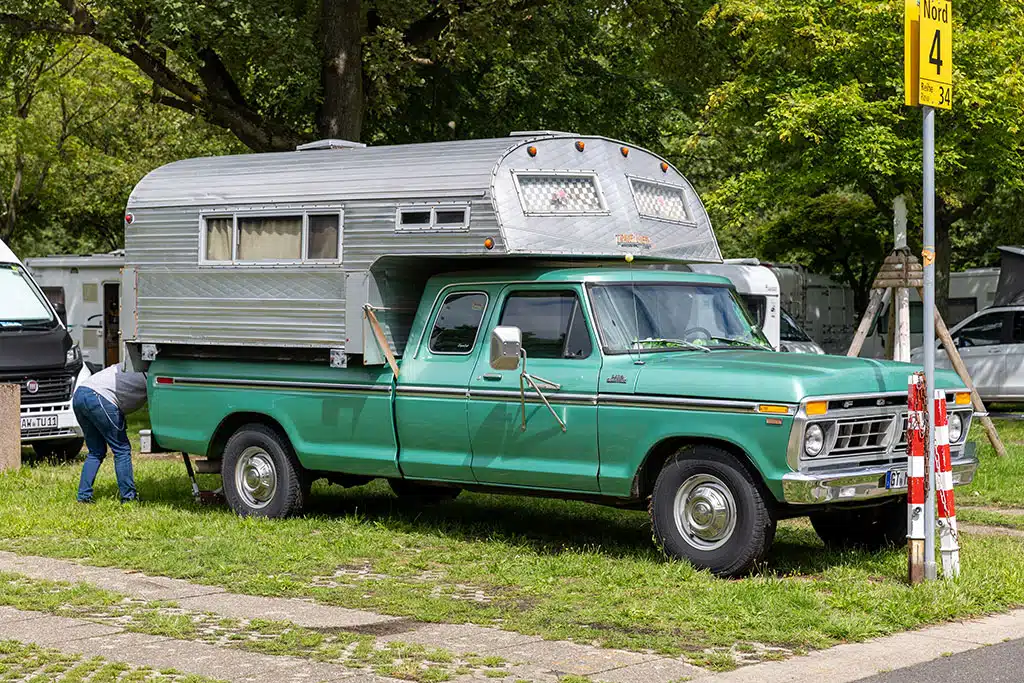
331 143
538 133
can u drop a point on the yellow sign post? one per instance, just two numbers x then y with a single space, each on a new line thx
935 52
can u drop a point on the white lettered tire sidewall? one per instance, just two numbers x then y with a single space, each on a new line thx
721 477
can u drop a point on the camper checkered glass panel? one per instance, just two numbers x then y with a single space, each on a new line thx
559 194
659 201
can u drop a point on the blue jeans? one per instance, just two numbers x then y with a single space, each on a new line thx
103 423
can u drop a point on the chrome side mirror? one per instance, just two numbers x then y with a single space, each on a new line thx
506 348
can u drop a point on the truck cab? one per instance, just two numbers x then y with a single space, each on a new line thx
38 354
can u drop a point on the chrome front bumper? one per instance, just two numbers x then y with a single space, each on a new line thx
865 483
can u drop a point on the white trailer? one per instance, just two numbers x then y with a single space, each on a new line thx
89 287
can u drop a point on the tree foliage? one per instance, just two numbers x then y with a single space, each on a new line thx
808 141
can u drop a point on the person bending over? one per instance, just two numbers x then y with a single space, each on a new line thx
101 404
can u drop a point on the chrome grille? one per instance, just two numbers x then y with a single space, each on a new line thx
861 435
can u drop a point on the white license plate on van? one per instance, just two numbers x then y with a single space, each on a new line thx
40 422
896 479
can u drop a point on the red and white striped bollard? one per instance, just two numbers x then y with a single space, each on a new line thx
949 544
915 477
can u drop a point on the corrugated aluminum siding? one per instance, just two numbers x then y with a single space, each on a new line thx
180 300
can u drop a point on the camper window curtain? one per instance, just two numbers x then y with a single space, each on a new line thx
218 239
270 239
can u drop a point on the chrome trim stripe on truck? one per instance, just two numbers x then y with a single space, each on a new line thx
271 384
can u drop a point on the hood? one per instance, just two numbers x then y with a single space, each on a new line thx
24 350
767 376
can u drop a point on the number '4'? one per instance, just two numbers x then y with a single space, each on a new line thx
935 53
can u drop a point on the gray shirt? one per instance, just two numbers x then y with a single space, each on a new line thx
126 390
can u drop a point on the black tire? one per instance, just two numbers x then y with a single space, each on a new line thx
419 492
706 478
260 474
874 528
61 450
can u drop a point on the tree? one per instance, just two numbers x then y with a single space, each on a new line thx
279 72
814 112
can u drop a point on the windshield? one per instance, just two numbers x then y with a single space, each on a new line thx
672 317
789 330
20 301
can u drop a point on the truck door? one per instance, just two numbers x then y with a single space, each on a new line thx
430 401
560 348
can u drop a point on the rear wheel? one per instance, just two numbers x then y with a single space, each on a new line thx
62 450
874 528
261 476
420 492
707 509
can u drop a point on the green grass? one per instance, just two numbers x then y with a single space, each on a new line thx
21 662
559 569
1000 481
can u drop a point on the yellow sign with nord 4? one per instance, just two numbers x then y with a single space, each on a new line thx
936 54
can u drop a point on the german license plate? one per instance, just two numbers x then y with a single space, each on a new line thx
40 422
896 479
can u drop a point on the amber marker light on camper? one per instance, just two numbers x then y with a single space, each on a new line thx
489 243
664 167
816 408
625 151
580 145
531 150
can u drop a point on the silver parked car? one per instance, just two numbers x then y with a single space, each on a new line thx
991 343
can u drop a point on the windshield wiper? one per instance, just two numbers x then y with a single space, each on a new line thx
680 342
752 344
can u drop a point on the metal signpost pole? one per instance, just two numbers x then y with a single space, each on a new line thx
930 571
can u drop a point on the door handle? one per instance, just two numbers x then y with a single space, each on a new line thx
492 377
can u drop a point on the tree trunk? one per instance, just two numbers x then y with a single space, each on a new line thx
343 25
942 259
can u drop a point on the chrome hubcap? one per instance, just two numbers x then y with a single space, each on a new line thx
705 512
256 477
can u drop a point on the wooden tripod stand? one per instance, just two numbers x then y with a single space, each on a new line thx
901 271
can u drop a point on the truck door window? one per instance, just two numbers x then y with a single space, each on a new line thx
458 322
552 323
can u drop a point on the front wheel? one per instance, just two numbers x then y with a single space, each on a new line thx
707 509
874 528
260 474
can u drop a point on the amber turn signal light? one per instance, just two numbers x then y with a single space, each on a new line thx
816 408
962 398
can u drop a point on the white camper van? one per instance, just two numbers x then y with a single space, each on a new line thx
38 354
89 287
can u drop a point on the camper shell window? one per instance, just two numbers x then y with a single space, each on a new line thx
421 218
266 238
660 201
553 193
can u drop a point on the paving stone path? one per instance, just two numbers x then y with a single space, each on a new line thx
530 657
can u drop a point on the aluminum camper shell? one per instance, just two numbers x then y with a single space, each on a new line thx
89 286
403 212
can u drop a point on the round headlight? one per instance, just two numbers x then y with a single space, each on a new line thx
814 440
956 427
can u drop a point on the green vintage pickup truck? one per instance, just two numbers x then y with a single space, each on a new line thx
625 387
511 315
